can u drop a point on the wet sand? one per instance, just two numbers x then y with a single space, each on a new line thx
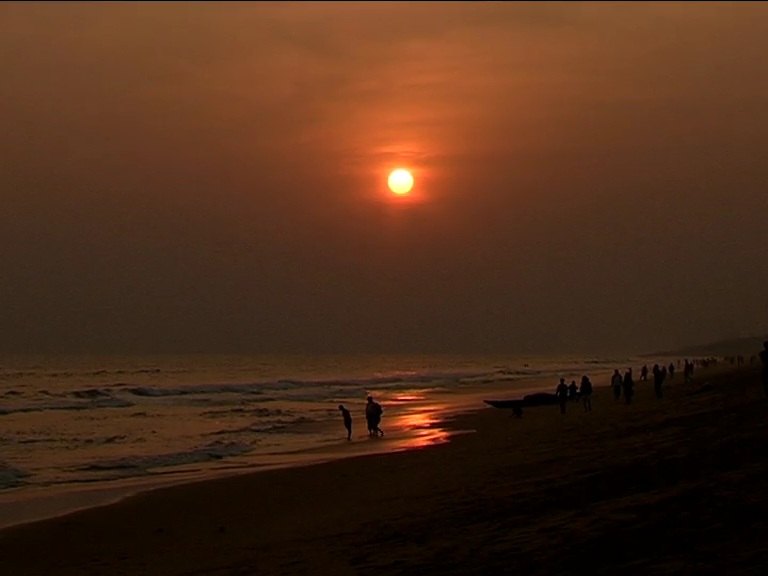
677 486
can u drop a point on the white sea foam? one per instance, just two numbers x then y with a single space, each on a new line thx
195 389
145 463
69 406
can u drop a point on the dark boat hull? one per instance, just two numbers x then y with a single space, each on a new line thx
538 399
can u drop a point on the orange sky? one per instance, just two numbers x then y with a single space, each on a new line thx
212 176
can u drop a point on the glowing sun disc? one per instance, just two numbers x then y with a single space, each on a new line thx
400 181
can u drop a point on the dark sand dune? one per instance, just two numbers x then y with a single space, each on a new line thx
678 486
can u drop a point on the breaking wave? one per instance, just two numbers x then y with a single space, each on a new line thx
10 477
145 463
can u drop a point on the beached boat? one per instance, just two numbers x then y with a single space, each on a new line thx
537 399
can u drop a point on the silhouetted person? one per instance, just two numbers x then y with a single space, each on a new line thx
764 372
586 393
644 372
688 371
672 370
628 386
616 384
517 411
373 413
658 379
347 420
562 394
573 391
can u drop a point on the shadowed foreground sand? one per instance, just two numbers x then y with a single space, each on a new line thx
678 486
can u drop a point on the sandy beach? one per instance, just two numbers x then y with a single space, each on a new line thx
676 486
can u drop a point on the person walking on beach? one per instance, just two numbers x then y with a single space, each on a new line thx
658 379
562 394
764 372
347 420
586 393
688 371
644 372
616 384
628 385
373 413
573 391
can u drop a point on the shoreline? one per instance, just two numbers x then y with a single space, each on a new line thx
40 503
34 503
491 500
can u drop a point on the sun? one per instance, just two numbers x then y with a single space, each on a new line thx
400 181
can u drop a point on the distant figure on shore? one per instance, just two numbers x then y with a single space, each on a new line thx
373 413
586 393
616 384
672 370
347 420
628 386
573 391
659 374
688 371
562 394
764 372
644 372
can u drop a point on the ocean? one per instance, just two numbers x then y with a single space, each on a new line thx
83 431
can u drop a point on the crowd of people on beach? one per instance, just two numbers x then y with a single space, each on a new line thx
623 386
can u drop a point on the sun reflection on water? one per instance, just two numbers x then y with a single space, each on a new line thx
407 397
423 426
